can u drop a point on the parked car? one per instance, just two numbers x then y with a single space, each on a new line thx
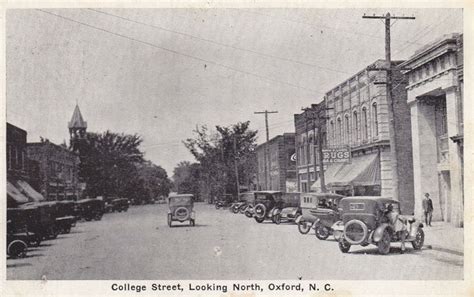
41 219
64 215
119 204
18 237
224 201
290 208
90 209
245 199
328 216
366 221
310 203
266 202
181 209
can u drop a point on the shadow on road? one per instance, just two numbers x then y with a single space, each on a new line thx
195 226
18 265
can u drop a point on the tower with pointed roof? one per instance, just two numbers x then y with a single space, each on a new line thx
77 130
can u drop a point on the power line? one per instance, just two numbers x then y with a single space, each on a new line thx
183 54
220 43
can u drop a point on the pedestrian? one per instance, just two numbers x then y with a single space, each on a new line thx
428 208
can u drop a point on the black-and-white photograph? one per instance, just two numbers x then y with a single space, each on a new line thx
234 144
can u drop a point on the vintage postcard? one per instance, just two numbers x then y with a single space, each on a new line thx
236 148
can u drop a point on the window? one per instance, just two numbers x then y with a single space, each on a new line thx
355 126
333 132
348 131
435 66
365 129
442 62
339 130
375 119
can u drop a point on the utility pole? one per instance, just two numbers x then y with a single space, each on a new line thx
268 178
316 115
236 167
391 113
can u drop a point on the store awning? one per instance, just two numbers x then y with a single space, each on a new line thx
362 171
29 191
14 195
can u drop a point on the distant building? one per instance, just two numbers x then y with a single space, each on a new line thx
358 120
435 98
19 190
279 174
77 131
57 168
306 142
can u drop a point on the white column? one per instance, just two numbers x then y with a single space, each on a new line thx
455 165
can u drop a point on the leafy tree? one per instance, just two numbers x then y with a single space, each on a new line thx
219 152
187 179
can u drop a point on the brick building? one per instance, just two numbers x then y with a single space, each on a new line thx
18 188
358 119
435 98
306 142
281 168
57 170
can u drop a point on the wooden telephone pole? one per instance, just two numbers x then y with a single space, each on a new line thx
268 178
391 114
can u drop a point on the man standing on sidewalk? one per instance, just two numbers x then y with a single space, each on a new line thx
428 209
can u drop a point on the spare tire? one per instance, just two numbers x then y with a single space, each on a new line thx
181 213
260 211
355 232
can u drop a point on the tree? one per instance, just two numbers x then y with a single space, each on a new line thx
155 180
108 163
187 179
219 152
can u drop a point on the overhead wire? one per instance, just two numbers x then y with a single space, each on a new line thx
262 77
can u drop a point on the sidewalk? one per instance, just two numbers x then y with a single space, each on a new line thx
444 237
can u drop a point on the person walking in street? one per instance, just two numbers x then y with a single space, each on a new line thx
428 209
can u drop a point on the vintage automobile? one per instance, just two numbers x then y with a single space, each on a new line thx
90 209
117 205
245 199
313 205
328 216
65 215
366 221
181 209
266 204
290 208
18 237
224 201
41 219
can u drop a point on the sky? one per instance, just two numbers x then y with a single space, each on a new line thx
161 72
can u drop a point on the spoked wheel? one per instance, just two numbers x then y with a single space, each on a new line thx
322 232
419 239
344 245
384 244
304 227
17 249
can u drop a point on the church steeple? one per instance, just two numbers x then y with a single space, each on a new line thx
77 129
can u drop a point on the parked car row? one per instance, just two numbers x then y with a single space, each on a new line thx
31 223
357 220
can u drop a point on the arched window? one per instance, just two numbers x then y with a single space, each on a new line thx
333 132
375 119
355 126
347 129
339 131
365 132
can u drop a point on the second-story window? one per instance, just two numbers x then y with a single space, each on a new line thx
355 126
365 130
375 119
333 133
339 131
347 129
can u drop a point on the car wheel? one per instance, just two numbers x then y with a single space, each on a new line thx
304 227
169 220
419 239
17 249
322 232
344 245
217 206
259 220
235 209
384 244
277 219
248 214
